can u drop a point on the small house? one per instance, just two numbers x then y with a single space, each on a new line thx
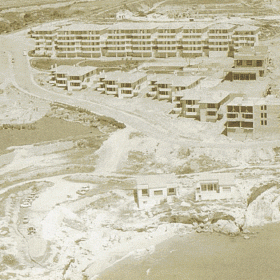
154 189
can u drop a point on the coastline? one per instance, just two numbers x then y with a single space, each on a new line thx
207 256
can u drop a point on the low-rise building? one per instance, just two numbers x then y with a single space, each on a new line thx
212 186
122 84
249 64
72 77
246 35
165 86
154 189
251 118
201 104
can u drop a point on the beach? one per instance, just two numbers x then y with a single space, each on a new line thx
207 256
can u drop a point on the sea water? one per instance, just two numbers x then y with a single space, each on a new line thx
207 256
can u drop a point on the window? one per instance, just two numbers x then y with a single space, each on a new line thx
249 62
239 62
263 107
210 105
211 113
263 115
263 122
159 192
259 63
145 192
170 191
203 187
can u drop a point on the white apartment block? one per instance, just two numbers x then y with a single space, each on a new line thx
245 36
80 40
145 39
251 118
72 77
165 86
201 104
45 40
122 84
220 39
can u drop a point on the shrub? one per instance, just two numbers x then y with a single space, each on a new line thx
9 260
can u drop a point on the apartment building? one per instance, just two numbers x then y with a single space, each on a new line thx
246 35
165 86
251 118
250 63
81 40
122 84
194 39
154 189
215 186
144 39
72 77
220 39
130 40
167 42
201 104
45 40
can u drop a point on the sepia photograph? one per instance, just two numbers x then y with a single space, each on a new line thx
139 140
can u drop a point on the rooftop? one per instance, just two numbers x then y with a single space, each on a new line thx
247 28
123 77
241 101
155 181
83 27
222 178
204 96
222 26
174 80
74 70
133 25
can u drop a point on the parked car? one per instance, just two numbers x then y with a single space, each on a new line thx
81 192
31 230
25 204
25 220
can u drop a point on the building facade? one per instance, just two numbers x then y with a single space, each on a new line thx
143 39
252 118
72 77
154 189
250 63
201 104
122 84
215 186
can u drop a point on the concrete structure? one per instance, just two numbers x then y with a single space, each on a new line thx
194 39
122 84
165 86
72 77
154 189
246 35
146 39
220 39
45 40
201 104
251 118
81 40
249 64
214 186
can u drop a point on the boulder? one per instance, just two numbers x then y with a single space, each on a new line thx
226 227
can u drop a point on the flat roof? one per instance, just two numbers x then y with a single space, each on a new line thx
269 100
123 77
74 70
133 25
83 27
177 80
156 181
204 96
222 178
45 28
196 25
247 28
222 26
241 101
